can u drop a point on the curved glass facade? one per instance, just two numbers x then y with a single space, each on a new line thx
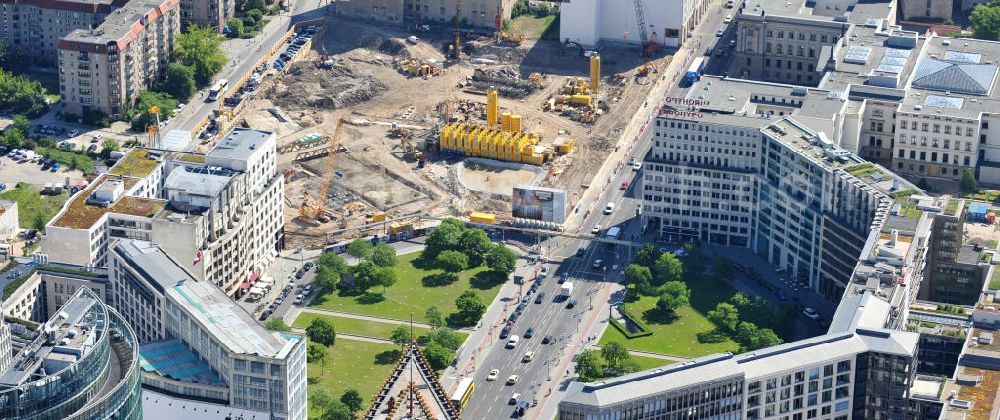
102 382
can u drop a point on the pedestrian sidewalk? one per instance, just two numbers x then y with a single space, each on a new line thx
350 337
374 318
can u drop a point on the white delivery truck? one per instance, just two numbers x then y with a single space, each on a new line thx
567 290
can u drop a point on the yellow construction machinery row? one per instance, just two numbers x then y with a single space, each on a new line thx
478 140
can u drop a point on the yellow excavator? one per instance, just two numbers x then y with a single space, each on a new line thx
516 36
313 208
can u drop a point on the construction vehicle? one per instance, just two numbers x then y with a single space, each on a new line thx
315 209
645 69
456 49
516 37
649 46
410 150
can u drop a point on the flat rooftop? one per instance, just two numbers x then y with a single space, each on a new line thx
158 269
173 359
227 321
137 163
812 146
955 77
78 214
239 144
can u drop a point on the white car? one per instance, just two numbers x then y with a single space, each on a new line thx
609 208
512 342
637 166
494 374
513 399
527 357
73 133
596 229
598 263
810 313
513 379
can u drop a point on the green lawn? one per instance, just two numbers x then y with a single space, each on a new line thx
536 28
650 362
354 326
409 295
32 206
359 364
679 336
83 162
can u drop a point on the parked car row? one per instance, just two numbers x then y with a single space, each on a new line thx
303 36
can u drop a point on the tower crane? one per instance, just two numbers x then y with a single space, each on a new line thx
649 46
315 209
457 48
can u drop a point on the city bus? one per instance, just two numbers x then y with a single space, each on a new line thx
694 71
461 396
218 89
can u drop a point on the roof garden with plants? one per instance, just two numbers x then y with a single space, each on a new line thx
136 163
80 215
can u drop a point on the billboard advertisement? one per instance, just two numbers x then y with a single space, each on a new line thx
538 203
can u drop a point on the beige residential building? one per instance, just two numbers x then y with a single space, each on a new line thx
35 27
927 9
105 68
786 49
210 13
475 13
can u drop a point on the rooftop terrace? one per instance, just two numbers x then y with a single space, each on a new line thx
172 359
137 163
78 214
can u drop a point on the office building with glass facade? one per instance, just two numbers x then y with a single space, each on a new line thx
82 364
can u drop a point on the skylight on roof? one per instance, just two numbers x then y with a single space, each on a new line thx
963 57
944 102
857 54
894 60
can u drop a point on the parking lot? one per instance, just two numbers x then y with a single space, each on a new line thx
12 172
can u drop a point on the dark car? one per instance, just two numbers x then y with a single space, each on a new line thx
571 303
504 333
530 332
563 278
540 298
548 339
308 266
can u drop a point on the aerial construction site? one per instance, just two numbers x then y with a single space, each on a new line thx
420 128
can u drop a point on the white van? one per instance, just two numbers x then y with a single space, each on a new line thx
513 341
609 208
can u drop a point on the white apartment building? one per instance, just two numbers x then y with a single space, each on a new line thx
590 22
220 212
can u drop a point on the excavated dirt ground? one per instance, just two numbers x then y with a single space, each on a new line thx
366 86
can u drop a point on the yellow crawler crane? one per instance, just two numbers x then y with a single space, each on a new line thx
315 209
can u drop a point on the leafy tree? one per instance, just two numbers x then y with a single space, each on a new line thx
46 141
201 49
319 397
400 336
38 223
252 5
145 103
21 95
360 248
108 146
740 300
693 259
752 337
434 316
452 261
968 182
442 238
470 307
446 337
384 255
255 15
667 269
615 354
985 21
13 138
437 356
336 410
646 255
330 267
590 364
179 82
475 244
500 259
352 399
321 331
385 277
21 123
96 118
675 294
277 324
234 27
638 275
317 354
365 275
725 316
